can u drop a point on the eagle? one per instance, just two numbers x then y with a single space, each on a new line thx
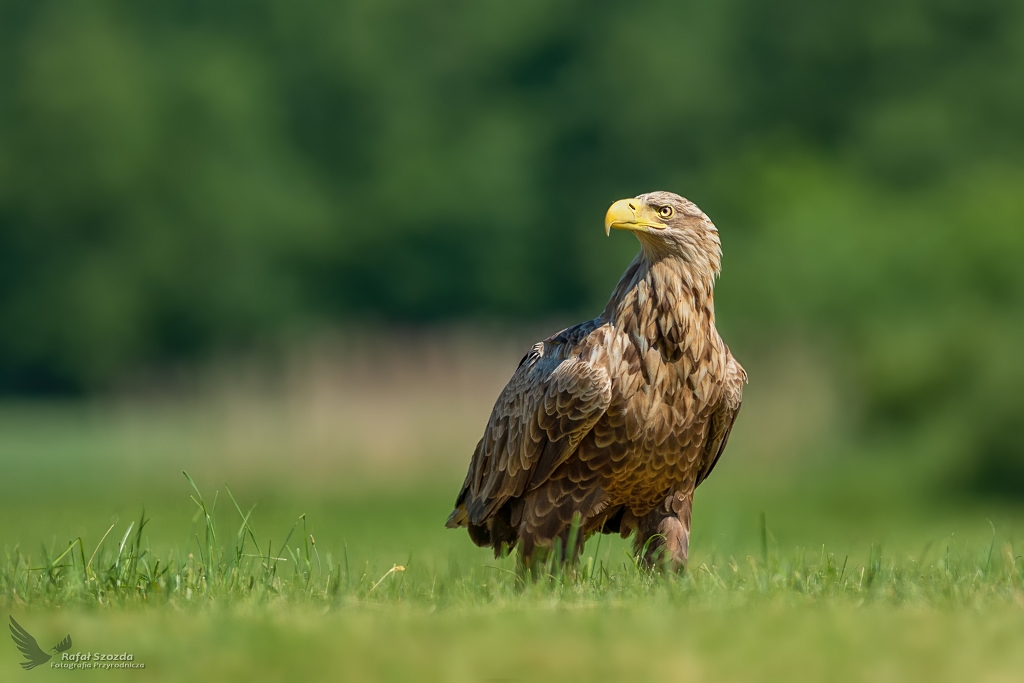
610 425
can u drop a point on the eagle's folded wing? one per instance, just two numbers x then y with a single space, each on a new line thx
548 406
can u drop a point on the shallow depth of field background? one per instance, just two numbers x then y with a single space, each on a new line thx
299 247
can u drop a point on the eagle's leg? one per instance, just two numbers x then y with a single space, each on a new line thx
532 558
528 565
540 554
536 561
663 535
553 523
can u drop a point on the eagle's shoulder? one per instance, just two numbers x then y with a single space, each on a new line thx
735 378
573 338
723 416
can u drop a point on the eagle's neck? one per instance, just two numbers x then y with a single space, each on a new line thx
665 302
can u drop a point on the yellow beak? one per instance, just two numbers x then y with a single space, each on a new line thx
631 214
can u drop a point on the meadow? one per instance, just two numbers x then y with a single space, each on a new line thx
307 540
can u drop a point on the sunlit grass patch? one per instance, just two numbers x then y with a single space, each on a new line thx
231 564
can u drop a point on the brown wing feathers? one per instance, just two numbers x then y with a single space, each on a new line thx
549 405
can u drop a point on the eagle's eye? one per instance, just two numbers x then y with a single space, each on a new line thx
666 211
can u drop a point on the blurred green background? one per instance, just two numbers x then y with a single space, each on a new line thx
267 209
183 181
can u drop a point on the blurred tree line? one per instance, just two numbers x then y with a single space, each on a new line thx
178 176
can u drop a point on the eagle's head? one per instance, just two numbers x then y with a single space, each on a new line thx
668 225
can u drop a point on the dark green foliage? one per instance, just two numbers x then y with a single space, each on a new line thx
178 177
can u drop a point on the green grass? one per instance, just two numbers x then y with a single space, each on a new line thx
224 562
230 603
858 573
